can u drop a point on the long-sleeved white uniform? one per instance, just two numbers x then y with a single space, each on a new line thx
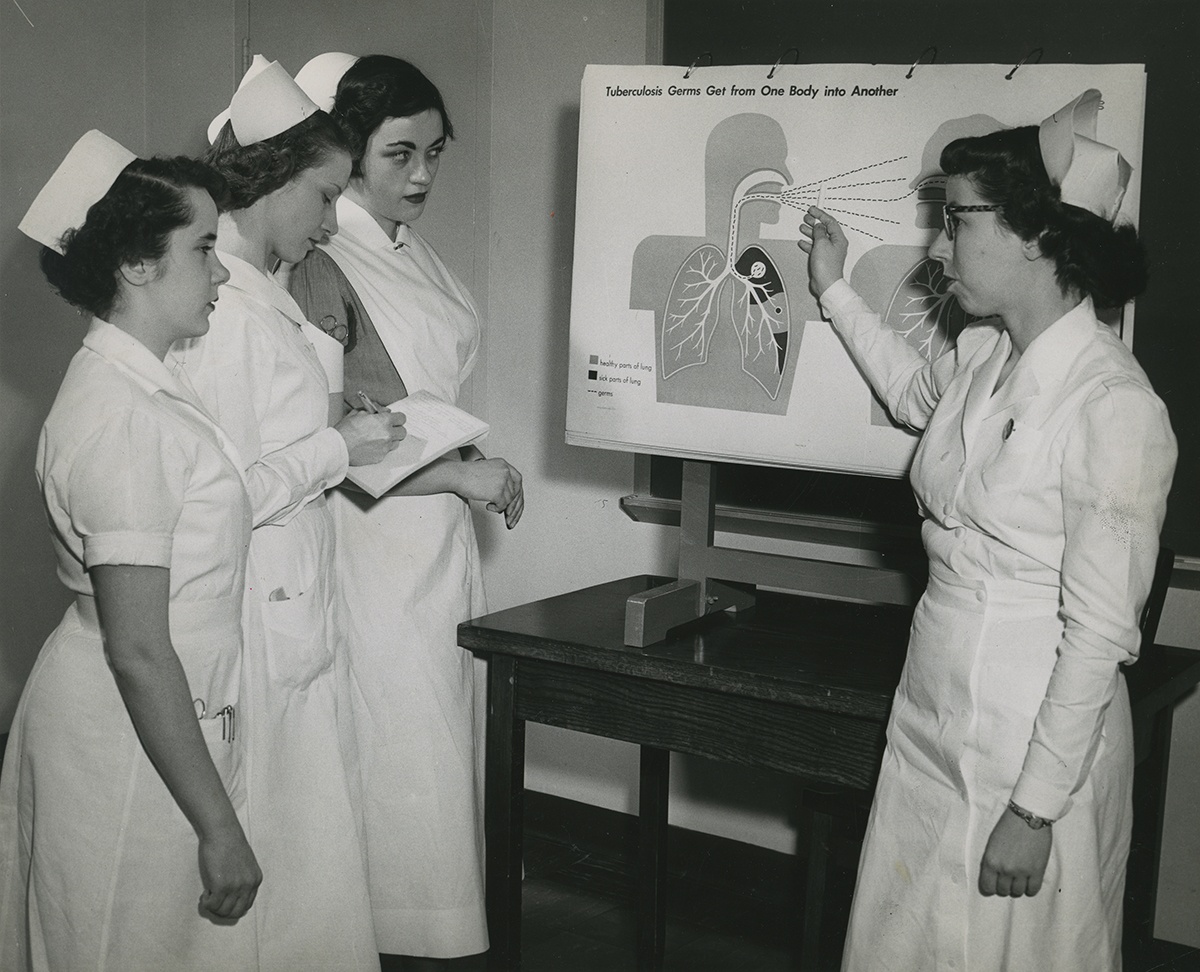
1042 504
260 376
412 572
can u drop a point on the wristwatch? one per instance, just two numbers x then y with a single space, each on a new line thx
1035 822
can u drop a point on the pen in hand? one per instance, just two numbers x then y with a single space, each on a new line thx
369 405
397 418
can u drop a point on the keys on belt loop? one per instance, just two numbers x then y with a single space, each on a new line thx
200 707
228 723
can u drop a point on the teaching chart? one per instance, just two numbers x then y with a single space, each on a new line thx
693 331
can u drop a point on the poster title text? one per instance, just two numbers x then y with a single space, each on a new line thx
736 91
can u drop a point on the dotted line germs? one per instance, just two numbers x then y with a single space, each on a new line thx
798 201
875 182
835 209
863 231
873 165
876 199
792 193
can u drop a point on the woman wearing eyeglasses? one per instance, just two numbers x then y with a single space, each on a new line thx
1000 828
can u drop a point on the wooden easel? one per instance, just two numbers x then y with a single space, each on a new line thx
708 573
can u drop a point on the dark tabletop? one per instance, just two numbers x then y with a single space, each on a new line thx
831 655
822 654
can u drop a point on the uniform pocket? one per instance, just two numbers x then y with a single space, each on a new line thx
297 638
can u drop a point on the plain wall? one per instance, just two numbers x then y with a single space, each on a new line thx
501 215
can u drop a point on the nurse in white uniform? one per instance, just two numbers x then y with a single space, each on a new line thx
265 374
999 833
122 803
409 562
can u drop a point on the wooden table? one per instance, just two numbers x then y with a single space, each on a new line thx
797 684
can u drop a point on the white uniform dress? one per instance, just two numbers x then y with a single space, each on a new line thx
261 379
411 573
1042 504
98 865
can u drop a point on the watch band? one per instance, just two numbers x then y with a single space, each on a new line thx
1035 822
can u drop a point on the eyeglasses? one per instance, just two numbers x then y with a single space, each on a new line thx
949 222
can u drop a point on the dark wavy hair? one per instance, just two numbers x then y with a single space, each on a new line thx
378 87
133 221
1091 256
254 171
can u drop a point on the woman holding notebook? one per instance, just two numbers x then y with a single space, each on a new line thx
267 376
409 562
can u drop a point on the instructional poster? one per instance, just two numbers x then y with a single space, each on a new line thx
693 331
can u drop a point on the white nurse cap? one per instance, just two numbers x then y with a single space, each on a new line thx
81 179
1088 173
266 103
319 77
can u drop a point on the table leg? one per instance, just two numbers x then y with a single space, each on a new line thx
1149 803
820 831
504 795
652 858
1165 727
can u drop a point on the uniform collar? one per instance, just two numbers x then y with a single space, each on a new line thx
255 284
981 400
136 360
1049 357
356 222
1051 354
166 377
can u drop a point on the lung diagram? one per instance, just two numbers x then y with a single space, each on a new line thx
746 295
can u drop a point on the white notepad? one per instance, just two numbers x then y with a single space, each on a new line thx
434 428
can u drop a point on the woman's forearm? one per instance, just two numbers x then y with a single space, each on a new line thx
132 603
900 375
443 475
1118 460
283 482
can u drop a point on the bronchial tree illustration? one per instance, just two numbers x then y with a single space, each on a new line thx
924 313
756 306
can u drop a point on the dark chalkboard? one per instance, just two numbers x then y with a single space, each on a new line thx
1163 35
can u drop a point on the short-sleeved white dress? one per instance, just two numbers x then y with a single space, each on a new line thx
98 865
